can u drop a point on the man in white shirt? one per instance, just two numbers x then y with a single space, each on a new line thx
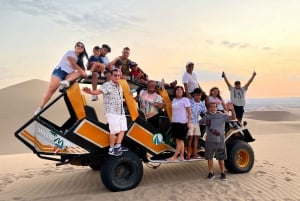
189 80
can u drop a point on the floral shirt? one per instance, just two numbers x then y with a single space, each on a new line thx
197 108
146 103
112 98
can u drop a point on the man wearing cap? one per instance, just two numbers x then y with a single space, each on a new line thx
237 95
103 65
189 80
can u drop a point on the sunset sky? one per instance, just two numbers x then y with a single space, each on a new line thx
235 36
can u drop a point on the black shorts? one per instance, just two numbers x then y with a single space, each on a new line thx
154 121
179 131
239 111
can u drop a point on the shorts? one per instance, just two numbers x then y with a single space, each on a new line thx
116 123
215 149
194 130
179 131
239 111
58 72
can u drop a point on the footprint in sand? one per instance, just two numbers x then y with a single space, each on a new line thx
288 179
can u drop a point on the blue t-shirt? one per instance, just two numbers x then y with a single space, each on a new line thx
95 59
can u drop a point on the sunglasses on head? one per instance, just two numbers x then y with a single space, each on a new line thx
81 46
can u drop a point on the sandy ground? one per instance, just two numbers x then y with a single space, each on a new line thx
275 175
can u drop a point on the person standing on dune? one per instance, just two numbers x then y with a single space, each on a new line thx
237 95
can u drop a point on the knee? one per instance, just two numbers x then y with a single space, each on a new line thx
95 75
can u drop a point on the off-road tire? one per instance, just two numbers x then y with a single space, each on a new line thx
240 157
120 173
95 164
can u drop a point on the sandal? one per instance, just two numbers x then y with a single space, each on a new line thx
188 156
180 159
171 159
197 156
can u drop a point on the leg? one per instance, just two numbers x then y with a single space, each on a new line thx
195 146
95 76
53 86
181 157
190 139
120 137
210 163
112 139
221 165
73 76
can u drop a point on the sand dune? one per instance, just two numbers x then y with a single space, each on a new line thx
272 115
25 177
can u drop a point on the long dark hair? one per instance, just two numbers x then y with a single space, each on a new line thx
81 55
210 92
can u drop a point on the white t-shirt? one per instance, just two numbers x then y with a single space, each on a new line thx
191 81
237 96
105 60
179 113
65 64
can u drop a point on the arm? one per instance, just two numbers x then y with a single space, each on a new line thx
159 106
251 79
112 63
231 108
224 106
226 80
75 66
186 90
92 92
189 114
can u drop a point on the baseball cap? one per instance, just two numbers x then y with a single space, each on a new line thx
132 64
106 47
189 64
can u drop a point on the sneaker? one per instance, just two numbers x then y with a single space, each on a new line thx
115 152
94 98
65 84
123 149
210 176
38 110
223 177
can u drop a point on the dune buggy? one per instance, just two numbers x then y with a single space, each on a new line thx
75 136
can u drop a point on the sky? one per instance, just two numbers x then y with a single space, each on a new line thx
237 37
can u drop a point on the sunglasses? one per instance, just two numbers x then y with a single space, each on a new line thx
116 75
81 46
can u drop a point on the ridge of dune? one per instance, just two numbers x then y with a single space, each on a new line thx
272 115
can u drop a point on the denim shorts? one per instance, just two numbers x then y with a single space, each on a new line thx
58 72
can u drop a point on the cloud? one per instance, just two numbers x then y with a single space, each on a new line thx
266 48
237 45
93 16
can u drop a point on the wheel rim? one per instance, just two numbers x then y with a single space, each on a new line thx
242 158
123 171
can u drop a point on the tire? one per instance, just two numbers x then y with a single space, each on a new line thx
120 173
240 157
95 164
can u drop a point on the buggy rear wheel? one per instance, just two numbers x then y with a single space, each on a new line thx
123 172
240 157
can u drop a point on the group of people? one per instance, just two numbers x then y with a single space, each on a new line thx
189 104
214 114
